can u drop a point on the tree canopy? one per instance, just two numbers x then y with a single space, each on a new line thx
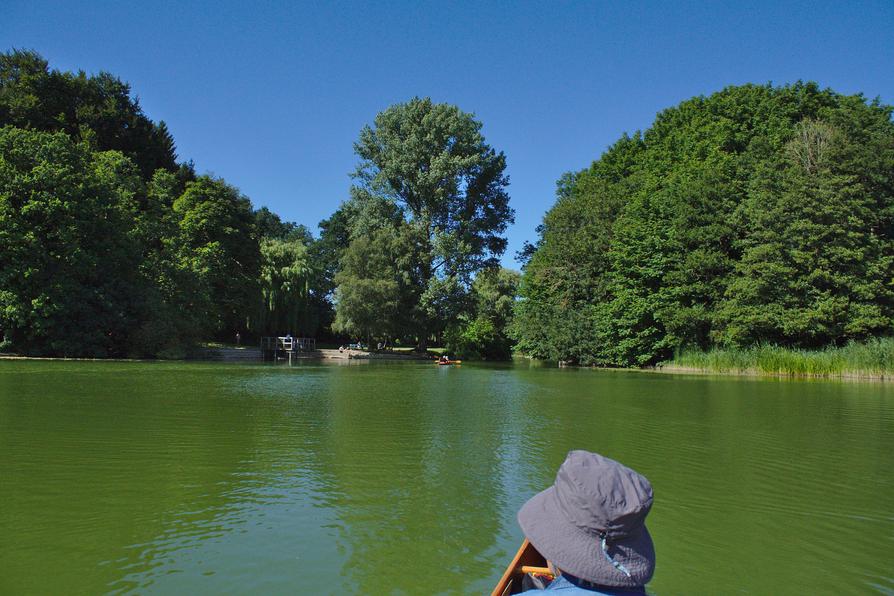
447 191
108 247
481 331
68 260
758 214
98 109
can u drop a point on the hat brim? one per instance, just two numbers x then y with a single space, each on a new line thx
580 553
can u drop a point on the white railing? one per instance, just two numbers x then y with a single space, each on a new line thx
288 344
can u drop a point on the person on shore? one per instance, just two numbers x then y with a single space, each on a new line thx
590 526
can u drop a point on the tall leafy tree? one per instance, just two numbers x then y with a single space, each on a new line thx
566 287
220 245
285 277
813 263
69 258
358 217
432 161
174 300
377 285
270 225
109 247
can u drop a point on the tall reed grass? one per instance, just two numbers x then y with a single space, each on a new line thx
873 358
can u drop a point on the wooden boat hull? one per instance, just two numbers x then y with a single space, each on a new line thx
526 560
449 362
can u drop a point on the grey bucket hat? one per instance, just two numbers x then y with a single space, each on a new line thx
591 522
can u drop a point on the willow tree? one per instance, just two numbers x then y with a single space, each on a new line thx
432 161
285 288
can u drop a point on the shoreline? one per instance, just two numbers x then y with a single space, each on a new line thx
667 369
670 368
754 372
244 355
676 369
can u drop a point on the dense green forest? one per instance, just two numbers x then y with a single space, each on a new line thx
758 215
110 247
113 247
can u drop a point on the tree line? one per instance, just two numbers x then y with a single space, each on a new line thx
113 247
757 215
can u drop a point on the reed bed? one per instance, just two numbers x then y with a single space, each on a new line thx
870 359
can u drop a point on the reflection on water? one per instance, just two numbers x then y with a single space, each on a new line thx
405 478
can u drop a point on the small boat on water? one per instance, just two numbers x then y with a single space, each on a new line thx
449 362
526 561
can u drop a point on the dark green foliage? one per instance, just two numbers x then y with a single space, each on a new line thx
427 166
758 214
813 264
69 277
220 246
97 109
286 300
95 262
432 160
270 225
481 331
109 248
174 301
296 285
359 218
377 284
335 236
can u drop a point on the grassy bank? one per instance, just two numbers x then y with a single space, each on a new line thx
871 359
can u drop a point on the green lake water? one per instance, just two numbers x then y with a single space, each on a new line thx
404 478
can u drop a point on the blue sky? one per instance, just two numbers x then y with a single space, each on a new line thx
272 95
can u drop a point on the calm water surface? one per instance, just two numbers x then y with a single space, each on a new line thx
405 478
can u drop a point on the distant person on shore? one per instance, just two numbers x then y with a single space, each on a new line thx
238 338
590 526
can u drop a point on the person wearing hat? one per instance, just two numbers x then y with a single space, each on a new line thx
590 526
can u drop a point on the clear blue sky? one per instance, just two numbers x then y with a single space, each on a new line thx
272 95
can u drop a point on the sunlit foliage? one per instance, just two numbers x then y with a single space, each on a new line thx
758 214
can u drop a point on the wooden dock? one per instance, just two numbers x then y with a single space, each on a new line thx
273 348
